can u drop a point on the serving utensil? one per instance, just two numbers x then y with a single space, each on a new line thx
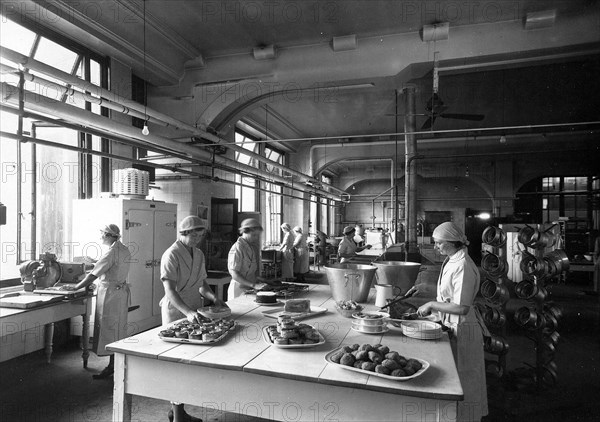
406 296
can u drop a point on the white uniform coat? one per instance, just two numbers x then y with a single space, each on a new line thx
113 297
346 247
287 256
459 283
301 262
242 258
188 272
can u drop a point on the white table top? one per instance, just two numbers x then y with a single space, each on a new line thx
246 350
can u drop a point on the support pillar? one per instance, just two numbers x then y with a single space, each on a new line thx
410 172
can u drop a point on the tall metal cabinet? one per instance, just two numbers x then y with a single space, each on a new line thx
148 228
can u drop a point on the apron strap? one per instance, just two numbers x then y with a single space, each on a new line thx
484 328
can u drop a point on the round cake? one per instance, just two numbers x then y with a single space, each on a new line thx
266 297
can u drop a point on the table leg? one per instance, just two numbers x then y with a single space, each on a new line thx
85 337
121 400
48 338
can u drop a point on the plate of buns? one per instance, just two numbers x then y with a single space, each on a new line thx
288 334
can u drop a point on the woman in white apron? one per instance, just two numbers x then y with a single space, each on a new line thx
113 295
458 284
301 264
243 261
183 273
287 253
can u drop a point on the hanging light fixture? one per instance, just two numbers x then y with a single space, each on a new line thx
145 130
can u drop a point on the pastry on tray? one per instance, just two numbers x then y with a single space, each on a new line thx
299 306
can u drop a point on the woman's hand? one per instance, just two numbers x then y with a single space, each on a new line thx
425 309
192 316
218 302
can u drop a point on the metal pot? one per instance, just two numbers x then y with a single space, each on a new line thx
535 238
494 293
532 265
397 273
350 281
554 310
494 316
528 290
496 345
493 265
529 319
494 236
557 261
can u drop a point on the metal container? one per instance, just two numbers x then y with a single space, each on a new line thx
350 281
397 273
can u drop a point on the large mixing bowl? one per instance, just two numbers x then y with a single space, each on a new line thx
398 273
350 281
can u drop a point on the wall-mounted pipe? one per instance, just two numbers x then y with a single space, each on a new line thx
30 63
68 112
410 172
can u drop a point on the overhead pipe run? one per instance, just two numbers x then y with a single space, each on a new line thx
33 64
70 113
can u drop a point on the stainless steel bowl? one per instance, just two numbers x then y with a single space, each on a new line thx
350 281
398 273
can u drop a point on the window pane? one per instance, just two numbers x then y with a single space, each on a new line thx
16 37
55 55
57 187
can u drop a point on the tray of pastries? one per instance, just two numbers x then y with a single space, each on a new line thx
207 331
282 290
287 334
377 360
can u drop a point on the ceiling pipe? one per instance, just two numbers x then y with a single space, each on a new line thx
68 112
33 64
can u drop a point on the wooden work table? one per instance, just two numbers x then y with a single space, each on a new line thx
245 375
22 320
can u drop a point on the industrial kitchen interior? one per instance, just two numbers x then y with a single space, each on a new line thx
345 210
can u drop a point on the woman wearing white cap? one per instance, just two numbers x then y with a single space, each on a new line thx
458 284
301 264
348 247
244 260
112 300
183 273
287 253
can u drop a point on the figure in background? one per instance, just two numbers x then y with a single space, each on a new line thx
183 273
287 253
244 260
597 263
348 248
301 260
321 247
359 235
113 295
458 284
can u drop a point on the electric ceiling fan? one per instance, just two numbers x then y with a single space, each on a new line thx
435 105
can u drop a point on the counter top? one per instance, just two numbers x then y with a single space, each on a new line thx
245 350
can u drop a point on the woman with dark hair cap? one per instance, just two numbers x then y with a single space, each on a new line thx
287 253
458 284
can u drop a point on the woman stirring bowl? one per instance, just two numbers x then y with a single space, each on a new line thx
458 284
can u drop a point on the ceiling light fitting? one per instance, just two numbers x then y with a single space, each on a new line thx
345 43
539 20
435 32
264 52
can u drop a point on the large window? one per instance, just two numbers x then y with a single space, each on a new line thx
246 193
50 177
274 199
